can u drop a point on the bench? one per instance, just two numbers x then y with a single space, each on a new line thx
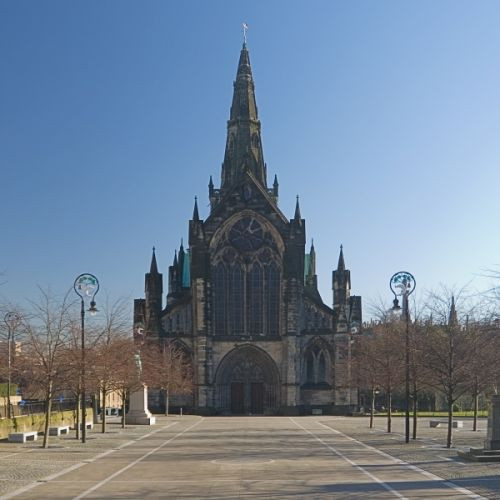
317 411
59 431
88 425
23 437
438 423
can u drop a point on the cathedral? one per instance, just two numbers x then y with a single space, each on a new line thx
243 301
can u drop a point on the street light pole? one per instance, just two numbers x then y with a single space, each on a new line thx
402 284
11 320
86 285
407 367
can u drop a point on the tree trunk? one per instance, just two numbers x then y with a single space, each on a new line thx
450 423
124 397
476 397
167 402
372 408
77 416
103 408
48 409
95 404
389 411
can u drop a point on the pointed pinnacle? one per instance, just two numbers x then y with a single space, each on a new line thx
297 210
341 264
154 267
196 216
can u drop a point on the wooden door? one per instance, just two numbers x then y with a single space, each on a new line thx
237 398
257 398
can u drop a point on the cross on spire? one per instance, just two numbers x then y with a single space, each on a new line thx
245 29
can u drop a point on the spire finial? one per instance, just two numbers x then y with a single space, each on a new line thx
245 29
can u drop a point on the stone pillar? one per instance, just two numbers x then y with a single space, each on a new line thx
138 412
493 433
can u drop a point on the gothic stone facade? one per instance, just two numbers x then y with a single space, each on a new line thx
243 300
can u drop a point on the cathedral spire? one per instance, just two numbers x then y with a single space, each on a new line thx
154 266
453 319
243 145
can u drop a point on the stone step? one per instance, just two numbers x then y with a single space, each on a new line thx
483 451
476 457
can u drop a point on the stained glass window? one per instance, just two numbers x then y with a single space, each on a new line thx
310 367
272 298
237 299
220 299
255 297
321 368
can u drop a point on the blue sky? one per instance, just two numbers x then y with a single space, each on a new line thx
383 117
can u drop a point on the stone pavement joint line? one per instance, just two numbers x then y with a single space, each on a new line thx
78 465
425 473
131 464
354 464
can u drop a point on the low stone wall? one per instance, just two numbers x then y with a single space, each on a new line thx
36 422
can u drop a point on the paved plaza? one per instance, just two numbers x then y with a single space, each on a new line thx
260 457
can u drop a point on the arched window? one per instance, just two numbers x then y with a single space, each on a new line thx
272 298
321 368
310 368
237 300
316 368
220 290
255 296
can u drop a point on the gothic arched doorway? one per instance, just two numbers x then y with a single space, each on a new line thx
247 382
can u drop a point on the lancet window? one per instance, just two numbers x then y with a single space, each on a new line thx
315 366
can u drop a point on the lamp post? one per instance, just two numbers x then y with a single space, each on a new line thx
86 287
402 285
11 320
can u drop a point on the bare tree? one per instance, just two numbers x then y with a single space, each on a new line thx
127 368
111 336
73 380
383 352
46 334
365 368
484 342
167 367
449 352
